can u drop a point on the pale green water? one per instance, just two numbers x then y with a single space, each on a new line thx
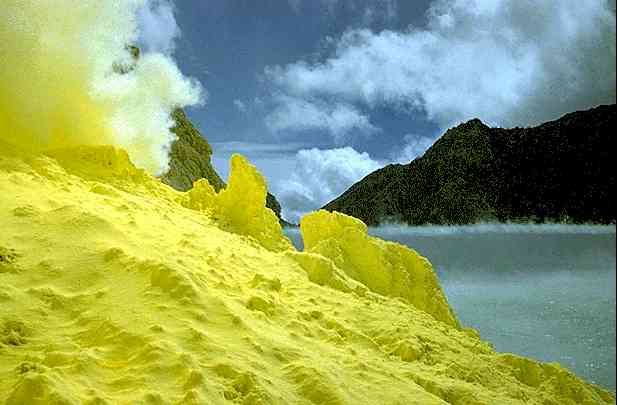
542 291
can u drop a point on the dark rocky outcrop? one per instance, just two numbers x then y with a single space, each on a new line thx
189 157
560 171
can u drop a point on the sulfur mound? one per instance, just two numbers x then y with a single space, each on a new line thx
385 267
241 206
115 288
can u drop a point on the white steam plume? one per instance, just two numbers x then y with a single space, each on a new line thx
59 87
158 29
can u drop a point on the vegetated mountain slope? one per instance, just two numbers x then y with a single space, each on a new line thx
116 288
563 170
190 161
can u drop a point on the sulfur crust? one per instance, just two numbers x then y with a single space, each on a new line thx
115 288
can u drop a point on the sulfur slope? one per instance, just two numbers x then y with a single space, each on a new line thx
115 288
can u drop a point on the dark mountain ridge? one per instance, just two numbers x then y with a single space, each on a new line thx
560 171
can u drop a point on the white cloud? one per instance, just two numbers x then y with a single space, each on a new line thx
414 146
158 27
507 62
339 119
319 176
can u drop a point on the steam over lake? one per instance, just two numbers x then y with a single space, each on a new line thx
541 291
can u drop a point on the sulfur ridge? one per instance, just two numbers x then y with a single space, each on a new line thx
115 288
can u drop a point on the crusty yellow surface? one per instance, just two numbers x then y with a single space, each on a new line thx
114 288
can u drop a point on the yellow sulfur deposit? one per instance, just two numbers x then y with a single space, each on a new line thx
240 207
116 289
386 268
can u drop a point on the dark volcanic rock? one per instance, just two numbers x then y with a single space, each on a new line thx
563 170
189 157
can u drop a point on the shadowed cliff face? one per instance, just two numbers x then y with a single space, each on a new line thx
562 170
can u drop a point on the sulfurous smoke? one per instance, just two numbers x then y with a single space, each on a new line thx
60 86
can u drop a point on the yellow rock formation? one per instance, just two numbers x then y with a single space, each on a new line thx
240 207
117 289
387 268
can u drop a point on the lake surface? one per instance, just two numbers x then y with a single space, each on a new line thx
542 291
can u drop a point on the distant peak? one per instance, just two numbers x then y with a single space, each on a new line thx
472 124
475 122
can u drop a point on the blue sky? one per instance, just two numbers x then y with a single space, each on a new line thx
228 45
319 93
